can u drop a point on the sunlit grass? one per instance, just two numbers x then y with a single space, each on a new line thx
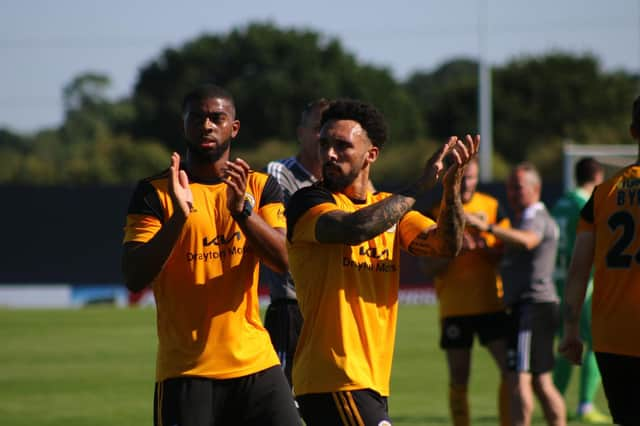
95 366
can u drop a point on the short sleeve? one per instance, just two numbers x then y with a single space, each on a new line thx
534 223
587 213
271 207
271 193
144 215
273 214
587 216
411 225
308 203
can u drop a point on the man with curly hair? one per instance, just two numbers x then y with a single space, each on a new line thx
283 319
344 254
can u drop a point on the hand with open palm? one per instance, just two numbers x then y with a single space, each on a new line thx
459 151
179 189
236 175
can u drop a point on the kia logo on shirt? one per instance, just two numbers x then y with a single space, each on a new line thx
219 240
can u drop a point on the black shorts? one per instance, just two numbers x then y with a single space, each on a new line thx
532 327
263 398
457 332
344 408
283 321
620 378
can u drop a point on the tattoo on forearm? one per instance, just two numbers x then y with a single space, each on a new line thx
368 222
451 223
377 218
425 244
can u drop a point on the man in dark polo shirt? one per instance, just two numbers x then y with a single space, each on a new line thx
530 296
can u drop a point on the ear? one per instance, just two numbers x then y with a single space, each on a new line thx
372 154
235 128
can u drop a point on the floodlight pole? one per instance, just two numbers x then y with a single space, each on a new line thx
484 96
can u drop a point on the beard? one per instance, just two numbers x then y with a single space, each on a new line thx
337 182
208 155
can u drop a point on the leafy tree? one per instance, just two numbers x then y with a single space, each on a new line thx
88 111
85 91
91 147
538 103
272 73
447 97
11 140
107 159
539 100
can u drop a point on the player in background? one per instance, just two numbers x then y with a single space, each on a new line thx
588 174
283 319
530 297
196 233
607 239
469 293
343 244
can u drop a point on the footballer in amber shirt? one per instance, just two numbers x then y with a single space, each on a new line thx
210 265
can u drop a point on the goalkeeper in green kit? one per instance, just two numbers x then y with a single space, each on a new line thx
588 174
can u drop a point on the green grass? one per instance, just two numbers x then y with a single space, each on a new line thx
419 385
95 367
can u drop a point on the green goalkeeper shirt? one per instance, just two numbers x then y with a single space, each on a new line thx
566 212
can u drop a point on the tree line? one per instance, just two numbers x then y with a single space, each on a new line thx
539 102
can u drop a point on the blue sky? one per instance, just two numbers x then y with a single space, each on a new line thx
45 43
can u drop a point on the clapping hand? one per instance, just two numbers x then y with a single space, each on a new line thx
461 151
476 221
236 179
179 189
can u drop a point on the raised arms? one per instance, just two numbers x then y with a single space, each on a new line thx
445 239
357 227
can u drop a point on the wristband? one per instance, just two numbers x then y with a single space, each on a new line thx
244 213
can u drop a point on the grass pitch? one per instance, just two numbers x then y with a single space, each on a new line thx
95 366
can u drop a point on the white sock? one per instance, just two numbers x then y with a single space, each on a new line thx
584 407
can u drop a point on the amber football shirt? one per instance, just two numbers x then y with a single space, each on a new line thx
470 285
348 296
208 316
613 215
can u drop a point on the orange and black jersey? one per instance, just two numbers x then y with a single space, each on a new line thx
470 284
613 215
206 293
348 295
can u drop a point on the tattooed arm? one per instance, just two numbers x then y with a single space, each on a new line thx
575 290
444 239
355 228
